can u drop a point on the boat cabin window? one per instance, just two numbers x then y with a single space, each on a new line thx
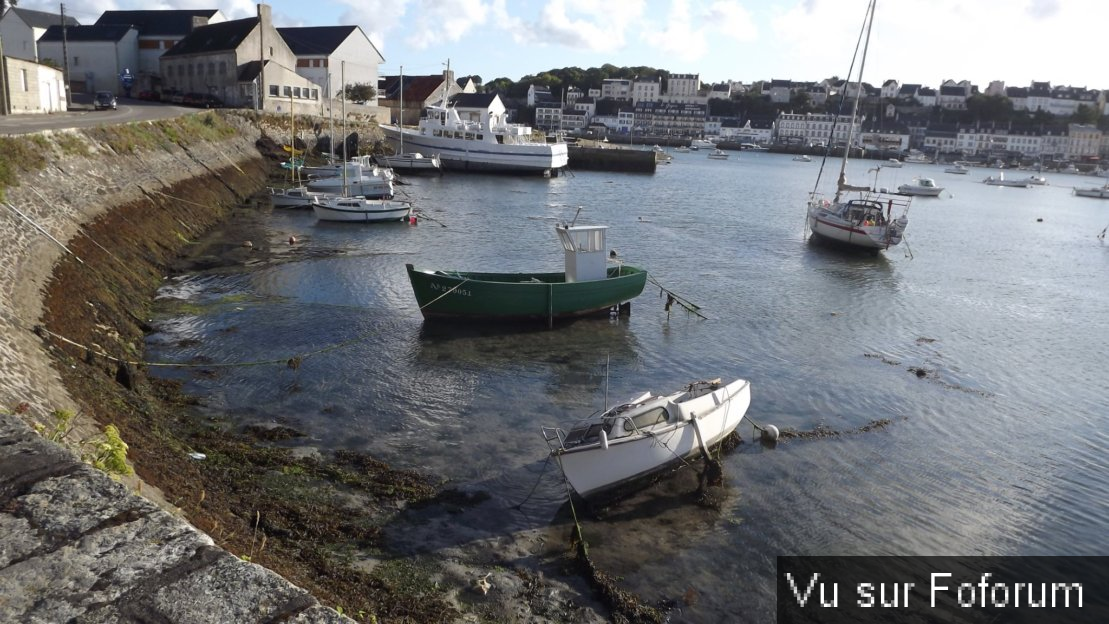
583 240
437 132
646 420
469 136
500 138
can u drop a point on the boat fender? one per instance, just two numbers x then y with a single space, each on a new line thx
604 439
770 433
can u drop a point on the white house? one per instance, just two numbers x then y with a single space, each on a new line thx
20 30
158 32
325 52
616 88
646 90
97 55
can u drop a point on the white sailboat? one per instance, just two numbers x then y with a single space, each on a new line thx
357 208
410 162
858 217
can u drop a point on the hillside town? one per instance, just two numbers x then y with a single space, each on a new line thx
198 57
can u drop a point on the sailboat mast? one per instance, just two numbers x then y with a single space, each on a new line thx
869 21
343 82
400 119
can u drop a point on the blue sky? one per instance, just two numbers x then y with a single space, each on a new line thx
919 41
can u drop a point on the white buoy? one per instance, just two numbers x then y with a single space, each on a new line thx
770 433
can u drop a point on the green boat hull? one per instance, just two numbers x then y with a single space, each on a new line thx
520 296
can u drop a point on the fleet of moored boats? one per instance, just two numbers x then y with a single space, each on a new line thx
647 433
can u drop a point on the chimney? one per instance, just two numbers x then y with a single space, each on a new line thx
264 15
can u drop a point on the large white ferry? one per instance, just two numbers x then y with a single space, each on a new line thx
472 134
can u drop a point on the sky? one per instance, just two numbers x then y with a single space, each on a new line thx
913 41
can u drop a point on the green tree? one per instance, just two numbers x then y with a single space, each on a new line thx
359 92
1085 115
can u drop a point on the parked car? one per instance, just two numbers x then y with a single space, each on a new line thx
104 100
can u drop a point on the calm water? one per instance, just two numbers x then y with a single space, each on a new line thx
1000 450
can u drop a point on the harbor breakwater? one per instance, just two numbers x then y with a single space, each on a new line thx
91 221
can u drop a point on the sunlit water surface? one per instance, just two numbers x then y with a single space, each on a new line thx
999 450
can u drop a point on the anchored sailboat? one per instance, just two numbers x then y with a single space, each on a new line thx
857 217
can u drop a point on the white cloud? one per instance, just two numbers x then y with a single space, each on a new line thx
678 37
729 18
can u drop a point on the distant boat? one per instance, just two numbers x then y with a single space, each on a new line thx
893 162
957 168
925 187
916 156
718 154
1037 180
587 286
1001 181
1098 192
802 158
647 434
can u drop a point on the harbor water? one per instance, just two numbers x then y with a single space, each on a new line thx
981 339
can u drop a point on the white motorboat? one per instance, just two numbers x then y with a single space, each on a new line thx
957 168
294 197
858 217
360 209
682 149
718 154
373 182
925 187
893 162
1001 181
647 434
412 162
1099 192
917 156
1037 180
803 158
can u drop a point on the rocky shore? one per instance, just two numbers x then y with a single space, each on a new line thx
253 532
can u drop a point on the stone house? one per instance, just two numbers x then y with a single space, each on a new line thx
32 88
419 93
242 62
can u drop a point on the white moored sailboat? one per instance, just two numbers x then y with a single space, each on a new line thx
858 217
647 434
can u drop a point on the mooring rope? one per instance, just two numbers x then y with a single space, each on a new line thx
672 298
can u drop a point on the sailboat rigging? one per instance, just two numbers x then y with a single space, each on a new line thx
858 217
413 162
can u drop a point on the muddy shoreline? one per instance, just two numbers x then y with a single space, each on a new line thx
317 520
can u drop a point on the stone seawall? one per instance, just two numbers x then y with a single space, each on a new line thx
76 545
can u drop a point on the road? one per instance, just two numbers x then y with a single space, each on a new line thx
83 116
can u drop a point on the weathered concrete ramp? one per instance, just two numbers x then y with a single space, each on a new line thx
77 546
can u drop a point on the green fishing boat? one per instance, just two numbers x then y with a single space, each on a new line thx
592 283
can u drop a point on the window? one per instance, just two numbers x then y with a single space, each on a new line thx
76 60
273 90
315 94
223 68
296 92
288 91
23 78
211 68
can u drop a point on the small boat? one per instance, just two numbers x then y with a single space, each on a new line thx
360 209
858 217
682 149
587 286
411 162
925 187
370 182
1037 180
660 154
293 197
1001 181
803 158
917 156
1099 192
647 434
718 154
893 162
957 168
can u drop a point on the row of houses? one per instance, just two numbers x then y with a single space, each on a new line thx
244 63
